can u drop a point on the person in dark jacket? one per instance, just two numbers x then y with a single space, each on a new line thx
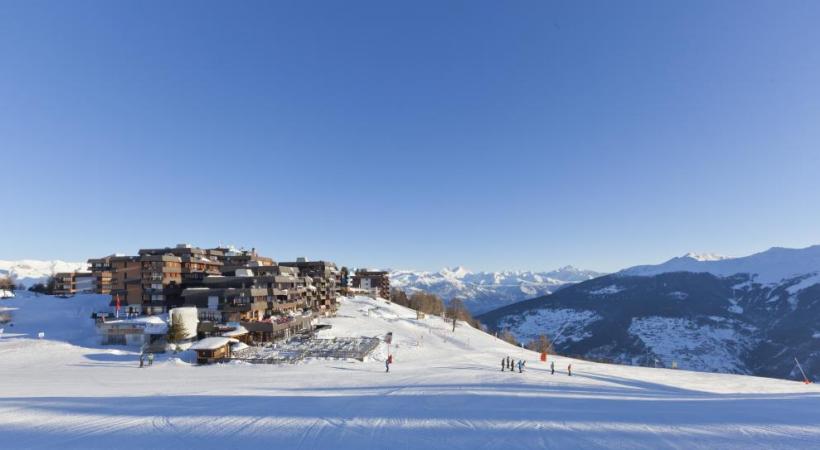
503 364
509 366
142 360
552 367
569 370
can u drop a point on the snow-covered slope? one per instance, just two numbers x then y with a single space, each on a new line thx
31 271
445 390
771 266
483 291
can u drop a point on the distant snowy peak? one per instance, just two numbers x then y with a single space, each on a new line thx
706 256
31 271
482 291
770 266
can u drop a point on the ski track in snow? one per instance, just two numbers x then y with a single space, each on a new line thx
445 390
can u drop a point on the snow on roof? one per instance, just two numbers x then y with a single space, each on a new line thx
236 346
239 331
212 343
152 324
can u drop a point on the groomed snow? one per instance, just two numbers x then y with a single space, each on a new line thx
445 390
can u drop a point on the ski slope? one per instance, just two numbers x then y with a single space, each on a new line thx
444 390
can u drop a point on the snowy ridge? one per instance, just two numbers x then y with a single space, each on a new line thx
32 271
770 266
483 291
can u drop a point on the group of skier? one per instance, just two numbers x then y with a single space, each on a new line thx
510 364
149 357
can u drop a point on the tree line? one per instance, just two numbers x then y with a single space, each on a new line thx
433 304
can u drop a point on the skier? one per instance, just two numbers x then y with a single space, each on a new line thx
569 370
388 362
509 366
552 367
150 359
520 366
142 360
503 364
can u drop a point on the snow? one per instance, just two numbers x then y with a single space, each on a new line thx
483 291
151 324
31 271
709 345
212 343
608 290
809 280
770 266
560 324
238 331
444 390
705 256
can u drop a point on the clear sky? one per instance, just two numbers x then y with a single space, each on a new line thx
494 135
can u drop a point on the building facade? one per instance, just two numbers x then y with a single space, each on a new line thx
377 281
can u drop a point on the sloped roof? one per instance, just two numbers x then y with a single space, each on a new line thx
212 343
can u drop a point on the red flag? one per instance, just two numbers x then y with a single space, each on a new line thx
117 303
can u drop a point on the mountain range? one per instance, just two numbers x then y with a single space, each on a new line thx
748 315
484 291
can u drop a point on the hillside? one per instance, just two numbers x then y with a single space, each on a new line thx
696 313
484 291
32 271
445 390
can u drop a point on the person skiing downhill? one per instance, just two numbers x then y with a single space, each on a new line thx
552 367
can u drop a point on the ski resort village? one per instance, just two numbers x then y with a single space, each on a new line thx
187 347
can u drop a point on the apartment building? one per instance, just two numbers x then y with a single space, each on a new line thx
325 281
196 263
101 268
377 281
225 285
70 283
126 283
161 282
233 259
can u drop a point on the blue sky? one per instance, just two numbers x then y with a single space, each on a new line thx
495 135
